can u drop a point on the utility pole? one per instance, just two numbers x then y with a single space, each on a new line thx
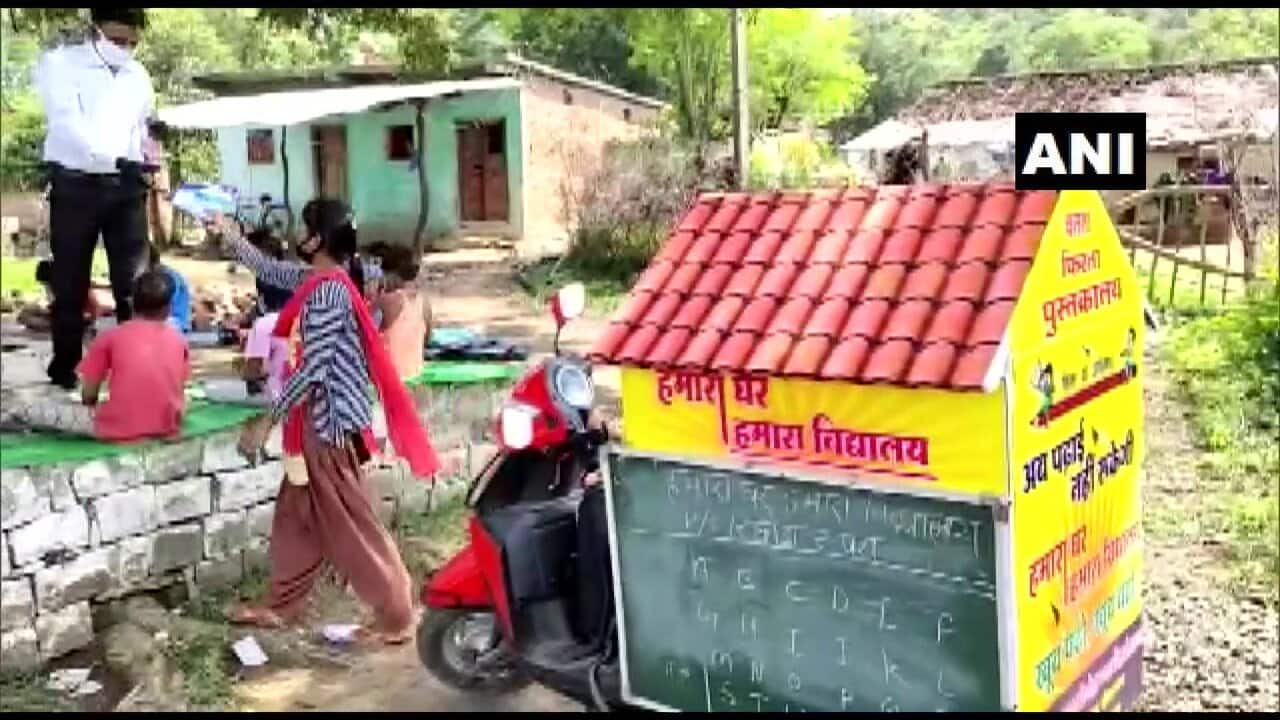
741 124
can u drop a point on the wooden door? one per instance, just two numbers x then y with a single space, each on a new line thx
482 172
329 150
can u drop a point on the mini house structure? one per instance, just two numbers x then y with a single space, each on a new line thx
971 343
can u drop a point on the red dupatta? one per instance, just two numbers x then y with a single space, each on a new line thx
405 430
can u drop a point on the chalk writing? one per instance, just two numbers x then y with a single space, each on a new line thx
751 390
1079 302
784 587
1096 567
1052 563
1079 263
691 387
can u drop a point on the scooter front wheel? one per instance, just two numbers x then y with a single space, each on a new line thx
463 649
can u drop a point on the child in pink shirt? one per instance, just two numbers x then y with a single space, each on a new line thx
144 363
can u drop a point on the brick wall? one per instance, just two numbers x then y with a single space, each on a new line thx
566 128
75 534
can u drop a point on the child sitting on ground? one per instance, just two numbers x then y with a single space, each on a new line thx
405 311
144 363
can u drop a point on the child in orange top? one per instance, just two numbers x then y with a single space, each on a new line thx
406 314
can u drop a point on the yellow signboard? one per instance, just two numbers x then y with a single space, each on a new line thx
1077 335
950 441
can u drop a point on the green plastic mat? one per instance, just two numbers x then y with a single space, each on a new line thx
204 417
31 449
464 373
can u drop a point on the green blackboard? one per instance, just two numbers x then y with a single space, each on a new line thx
745 590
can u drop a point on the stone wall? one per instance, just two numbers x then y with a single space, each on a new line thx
190 512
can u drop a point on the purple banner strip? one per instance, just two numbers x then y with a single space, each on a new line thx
1121 661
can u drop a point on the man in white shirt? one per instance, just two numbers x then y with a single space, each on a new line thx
97 101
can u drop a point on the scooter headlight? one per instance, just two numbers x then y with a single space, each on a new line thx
574 387
516 426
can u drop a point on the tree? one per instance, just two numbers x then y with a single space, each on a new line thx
592 42
688 50
1085 39
802 65
1226 33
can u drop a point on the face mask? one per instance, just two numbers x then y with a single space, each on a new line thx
111 53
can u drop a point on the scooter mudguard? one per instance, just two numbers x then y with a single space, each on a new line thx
459 584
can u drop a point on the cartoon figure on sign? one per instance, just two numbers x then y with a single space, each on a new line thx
1130 364
1043 383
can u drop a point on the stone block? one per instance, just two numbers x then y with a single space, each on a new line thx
20 503
225 533
17 604
177 546
64 631
258 519
5 567
131 561
67 530
54 482
243 488
104 477
81 579
220 454
19 649
132 512
223 573
184 499
174 460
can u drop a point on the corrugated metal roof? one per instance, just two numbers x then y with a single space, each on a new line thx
955 133
290 108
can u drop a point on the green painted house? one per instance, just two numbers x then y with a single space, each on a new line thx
485 155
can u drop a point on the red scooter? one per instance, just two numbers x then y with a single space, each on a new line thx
530 598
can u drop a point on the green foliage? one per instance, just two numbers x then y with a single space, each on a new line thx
592 42
794 160
1228 364
1082 39
688 50
905 52
21 144
800 66
26 693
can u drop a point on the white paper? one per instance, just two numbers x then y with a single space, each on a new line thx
340 633
67 680
249 652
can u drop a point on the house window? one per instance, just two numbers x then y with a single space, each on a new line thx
261 146
626 114
400 142
568 98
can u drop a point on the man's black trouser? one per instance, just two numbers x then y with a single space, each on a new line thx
81 207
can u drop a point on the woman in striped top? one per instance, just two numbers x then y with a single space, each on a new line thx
323 512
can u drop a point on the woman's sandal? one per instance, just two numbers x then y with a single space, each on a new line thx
368 635
255 616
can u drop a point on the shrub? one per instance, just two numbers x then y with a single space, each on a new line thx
620 210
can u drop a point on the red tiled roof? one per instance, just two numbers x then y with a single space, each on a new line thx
906 285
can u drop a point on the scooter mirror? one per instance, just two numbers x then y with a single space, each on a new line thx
571 301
